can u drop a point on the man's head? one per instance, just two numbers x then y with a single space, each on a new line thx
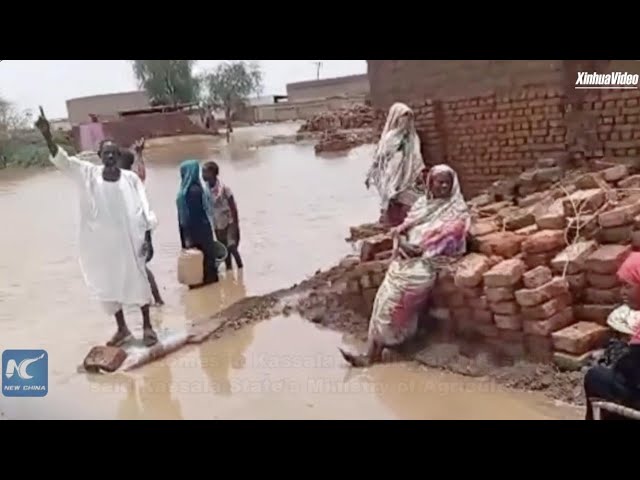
210 172
127 158
109 153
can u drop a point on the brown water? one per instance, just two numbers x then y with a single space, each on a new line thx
295 211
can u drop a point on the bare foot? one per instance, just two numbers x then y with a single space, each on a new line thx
149 337
357 360
120 338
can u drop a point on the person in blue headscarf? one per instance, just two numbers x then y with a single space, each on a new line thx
195 218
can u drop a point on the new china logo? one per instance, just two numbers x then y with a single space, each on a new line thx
25 373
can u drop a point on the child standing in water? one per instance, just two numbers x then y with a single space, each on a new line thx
225 214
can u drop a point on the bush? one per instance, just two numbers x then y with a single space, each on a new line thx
26 148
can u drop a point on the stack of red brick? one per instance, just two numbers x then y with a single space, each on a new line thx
345 128
341 140
545 248
359 116
563 235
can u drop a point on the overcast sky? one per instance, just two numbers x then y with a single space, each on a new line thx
29 83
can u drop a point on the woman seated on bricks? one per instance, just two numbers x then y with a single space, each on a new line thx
433 232
620 382
397 166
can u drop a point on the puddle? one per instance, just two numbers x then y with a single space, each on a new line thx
288 368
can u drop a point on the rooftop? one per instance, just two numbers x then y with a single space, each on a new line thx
326 81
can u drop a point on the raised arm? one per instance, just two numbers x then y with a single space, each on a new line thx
42 124
141 169
59 157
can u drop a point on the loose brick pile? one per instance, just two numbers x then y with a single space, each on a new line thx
540 276
341 140
345 128
348 288
563 234
359 116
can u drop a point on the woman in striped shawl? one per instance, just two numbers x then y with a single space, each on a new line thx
434 230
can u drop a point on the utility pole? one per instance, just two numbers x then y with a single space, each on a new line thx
318 67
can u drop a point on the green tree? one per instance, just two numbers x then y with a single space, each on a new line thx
167 82
229 85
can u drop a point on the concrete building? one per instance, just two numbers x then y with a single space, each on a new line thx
266 100
304 110
349 86
105 106
306 99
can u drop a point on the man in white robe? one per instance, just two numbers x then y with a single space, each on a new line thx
114 218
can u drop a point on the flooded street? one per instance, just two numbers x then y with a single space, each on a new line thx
295 211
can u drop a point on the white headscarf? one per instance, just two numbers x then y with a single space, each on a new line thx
429 213
392 174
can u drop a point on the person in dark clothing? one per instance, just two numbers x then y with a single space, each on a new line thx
225 213
620 383
195 218
609 384
126 162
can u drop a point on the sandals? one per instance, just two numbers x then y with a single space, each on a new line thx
150 338
117 340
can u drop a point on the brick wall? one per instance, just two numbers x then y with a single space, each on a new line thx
491 119
487 137
410 80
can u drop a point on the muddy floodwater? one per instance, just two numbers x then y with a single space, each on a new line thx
295 211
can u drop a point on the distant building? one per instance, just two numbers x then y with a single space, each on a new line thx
105 107
266 100
60 124
349 86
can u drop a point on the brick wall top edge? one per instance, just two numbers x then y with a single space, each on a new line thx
421 103
525 92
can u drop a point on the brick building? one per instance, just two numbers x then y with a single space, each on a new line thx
494 118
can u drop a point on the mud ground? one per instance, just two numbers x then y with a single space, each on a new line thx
520 374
